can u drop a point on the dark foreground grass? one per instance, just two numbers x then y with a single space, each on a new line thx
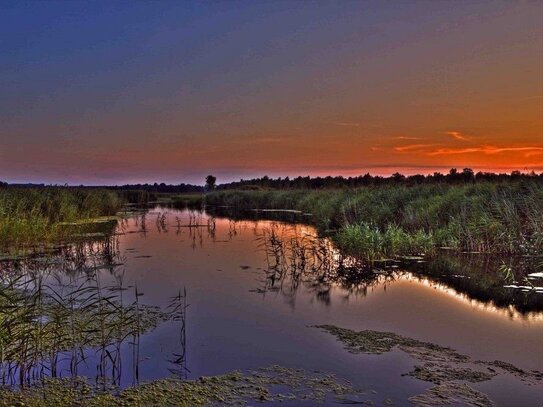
32 215
376 222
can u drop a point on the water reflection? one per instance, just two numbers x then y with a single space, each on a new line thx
107 290
482 278
508 312
296 256
69 312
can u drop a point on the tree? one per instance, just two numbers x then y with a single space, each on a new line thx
210 182
468 175
397 177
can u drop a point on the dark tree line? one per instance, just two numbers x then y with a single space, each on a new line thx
156 187
467 175
454 176
161 188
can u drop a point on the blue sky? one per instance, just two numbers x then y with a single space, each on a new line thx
113 92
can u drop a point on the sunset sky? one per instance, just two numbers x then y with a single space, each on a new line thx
122 92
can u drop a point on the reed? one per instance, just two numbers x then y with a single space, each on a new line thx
57 313
37 215
390 220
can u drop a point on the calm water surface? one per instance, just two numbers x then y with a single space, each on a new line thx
240 318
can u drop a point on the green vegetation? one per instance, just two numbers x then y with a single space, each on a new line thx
370 222
385 221
37 215
191 201
45 321
234 389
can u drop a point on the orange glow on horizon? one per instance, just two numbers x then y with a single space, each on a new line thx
340 89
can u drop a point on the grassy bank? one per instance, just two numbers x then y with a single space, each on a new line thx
37 215
386 221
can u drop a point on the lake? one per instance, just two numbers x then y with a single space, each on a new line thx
253 289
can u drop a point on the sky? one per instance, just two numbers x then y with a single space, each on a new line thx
109 92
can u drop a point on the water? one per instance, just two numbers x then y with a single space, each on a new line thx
241 316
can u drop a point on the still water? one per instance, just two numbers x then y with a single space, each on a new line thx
255 288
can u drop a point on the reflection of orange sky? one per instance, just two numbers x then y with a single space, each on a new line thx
254 238
423 286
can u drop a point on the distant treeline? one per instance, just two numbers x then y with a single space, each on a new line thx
465 176
161 188
152 188
454 176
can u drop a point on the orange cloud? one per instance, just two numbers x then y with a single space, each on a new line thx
412 147
406 138
487 150
457 135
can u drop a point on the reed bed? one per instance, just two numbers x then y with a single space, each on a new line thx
63 313
32 215
385 221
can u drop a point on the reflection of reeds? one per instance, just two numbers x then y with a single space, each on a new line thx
297 260
177 310
293 259
56 313
485 278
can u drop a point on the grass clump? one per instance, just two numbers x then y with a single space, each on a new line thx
44 321
368 242
37 215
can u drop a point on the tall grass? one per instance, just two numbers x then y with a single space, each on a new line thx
30 215
481 217
56 314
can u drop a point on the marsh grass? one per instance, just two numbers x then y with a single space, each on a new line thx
190 201
57 314
368 242
390 220
38 215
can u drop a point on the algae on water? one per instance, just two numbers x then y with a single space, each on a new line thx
231 389
442 366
